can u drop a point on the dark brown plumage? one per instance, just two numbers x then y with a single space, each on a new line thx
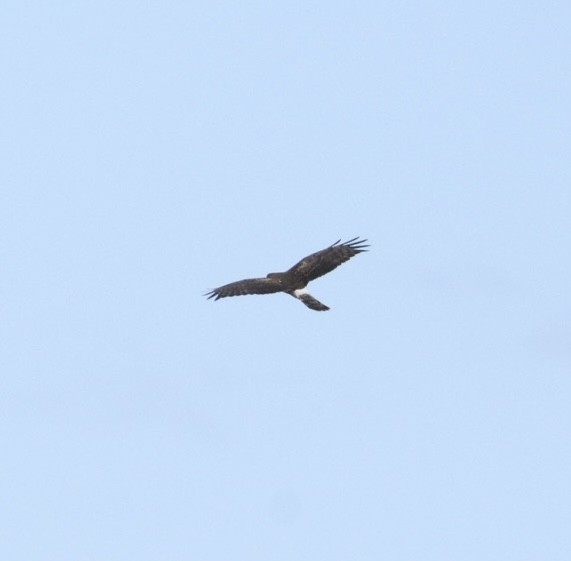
294 280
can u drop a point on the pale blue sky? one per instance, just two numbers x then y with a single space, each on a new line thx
154 150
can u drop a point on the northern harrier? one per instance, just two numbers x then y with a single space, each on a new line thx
294 280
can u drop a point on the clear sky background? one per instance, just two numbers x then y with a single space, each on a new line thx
151 151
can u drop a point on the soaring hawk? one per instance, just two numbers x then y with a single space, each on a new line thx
294 280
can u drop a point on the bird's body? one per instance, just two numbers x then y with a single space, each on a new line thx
294 280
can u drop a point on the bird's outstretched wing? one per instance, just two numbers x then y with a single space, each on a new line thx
322 262
246 286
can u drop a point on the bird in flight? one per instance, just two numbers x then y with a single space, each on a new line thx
294 280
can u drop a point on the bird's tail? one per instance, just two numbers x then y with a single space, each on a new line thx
310 301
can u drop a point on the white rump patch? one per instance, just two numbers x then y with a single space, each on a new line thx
300 292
